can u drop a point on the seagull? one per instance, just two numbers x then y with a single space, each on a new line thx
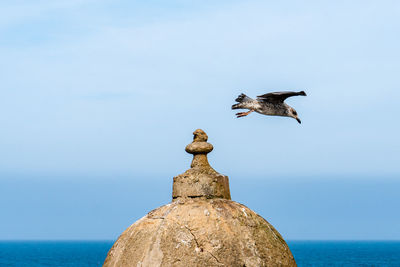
269 104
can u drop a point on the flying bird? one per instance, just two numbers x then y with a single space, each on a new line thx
269 104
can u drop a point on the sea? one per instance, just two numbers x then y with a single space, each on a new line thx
306 253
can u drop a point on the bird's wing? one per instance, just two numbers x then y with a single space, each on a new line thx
278 96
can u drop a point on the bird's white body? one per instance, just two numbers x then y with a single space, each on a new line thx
270 109
269 104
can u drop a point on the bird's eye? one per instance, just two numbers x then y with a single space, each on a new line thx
294 112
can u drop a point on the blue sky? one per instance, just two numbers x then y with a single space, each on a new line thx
100 97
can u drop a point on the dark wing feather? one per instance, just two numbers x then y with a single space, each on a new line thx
278 96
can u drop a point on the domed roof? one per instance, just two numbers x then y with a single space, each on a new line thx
201 227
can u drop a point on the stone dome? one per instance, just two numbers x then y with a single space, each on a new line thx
201 226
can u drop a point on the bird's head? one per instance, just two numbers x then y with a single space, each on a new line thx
293 114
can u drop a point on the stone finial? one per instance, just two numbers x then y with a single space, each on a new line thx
199 148
201 180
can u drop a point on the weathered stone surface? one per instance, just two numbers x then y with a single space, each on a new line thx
201 232
201 180
201 227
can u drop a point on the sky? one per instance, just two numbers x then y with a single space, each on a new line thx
99 98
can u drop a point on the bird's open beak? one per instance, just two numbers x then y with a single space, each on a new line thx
298 120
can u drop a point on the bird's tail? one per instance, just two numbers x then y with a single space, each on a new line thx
241 99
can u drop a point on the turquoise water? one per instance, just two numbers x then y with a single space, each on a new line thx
93 253
53 253
346 253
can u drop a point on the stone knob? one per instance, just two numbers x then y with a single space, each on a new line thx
199 144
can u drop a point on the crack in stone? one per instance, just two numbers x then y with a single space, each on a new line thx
192 234
215 258
197 244
185 226
199 196
194 237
